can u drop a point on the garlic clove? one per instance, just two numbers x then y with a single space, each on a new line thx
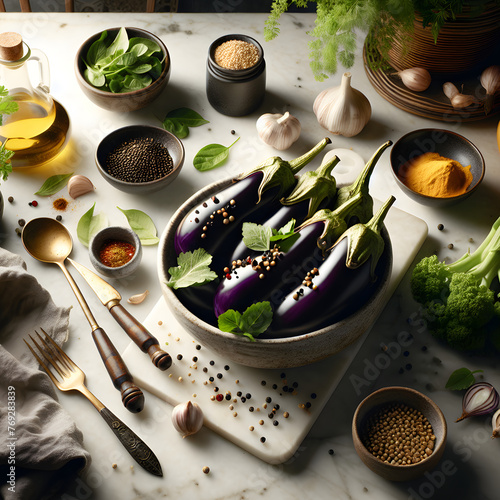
139 298
187 418
460 101
279 131
490 80
79 185
416 79
342 110
450 90
495 423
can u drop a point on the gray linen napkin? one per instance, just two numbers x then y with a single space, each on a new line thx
42 449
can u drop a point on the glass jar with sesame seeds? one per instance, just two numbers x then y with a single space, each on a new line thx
236 75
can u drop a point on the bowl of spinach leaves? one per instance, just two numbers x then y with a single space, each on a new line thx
122 69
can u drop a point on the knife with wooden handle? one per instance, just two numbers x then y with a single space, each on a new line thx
110 297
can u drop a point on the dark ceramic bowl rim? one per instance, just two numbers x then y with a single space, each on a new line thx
107 175
179 215
129 236
395 170
79 64
357 423
235 72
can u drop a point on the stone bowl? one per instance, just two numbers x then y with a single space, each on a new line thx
415 400
265 353
446 143
126 101
125 134
117 233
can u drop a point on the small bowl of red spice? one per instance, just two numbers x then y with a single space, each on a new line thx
437 167
115 251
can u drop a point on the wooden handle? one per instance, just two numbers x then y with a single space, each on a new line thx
132 396
139 450
139 334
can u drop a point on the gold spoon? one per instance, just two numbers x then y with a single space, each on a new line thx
47 240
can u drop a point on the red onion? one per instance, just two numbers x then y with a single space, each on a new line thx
480 399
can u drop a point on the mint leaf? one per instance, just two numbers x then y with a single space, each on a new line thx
54 184
256 236
460 379
193 268
178 121
254 321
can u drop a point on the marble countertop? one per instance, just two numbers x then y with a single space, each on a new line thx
468 468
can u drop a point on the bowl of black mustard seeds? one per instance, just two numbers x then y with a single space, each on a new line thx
140 159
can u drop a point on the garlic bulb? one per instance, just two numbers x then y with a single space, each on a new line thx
416 79
342 110
78 185
458 100
490 80
279 131
187 418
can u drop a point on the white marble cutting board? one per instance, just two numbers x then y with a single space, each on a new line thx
200 374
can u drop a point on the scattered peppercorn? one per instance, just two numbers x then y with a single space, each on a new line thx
179 356
226 367
198 347
262 439
440 227
10 199
59 218
219 397
331 452
206 470
34 203
21 222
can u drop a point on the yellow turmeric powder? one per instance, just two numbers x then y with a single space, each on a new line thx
433 175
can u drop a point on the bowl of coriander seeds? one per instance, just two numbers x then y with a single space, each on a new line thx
399 433
140 159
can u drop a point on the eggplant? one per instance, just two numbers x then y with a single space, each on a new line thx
215 224
314 190
339 285
273 274
365 211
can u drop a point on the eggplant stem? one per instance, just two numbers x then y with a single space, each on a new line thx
299 162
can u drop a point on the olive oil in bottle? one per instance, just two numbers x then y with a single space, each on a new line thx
38 131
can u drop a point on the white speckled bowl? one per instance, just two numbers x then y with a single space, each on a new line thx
115 233
264 353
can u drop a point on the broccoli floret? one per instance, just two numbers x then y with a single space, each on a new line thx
459 304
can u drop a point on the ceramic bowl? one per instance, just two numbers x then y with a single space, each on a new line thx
117 233
126 101
415 400
125 134
264 353
446 143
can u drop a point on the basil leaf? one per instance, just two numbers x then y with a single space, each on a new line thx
256 237
53 184
179 120
193 268
89 224
460 379
211 156
142 225
254 321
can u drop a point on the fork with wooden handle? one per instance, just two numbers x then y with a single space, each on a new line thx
68 376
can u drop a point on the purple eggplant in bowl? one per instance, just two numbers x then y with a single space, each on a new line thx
305 348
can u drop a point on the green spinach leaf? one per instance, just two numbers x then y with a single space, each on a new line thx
54 184
179 120
211 156
142 225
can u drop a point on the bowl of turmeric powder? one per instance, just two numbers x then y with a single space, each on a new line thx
437 167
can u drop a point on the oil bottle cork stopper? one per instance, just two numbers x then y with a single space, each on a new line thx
11 46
